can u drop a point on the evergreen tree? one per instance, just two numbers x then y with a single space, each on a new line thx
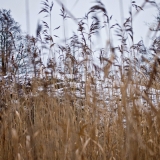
9 35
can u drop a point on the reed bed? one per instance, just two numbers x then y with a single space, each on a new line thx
78 108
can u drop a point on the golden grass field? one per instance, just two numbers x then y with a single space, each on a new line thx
84 110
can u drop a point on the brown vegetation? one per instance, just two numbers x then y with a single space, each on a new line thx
76 108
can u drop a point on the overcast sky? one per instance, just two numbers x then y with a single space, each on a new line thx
18 11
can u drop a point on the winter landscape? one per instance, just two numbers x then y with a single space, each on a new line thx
67 98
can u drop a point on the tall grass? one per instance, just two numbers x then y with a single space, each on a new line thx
76 108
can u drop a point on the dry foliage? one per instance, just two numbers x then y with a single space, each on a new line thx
75 107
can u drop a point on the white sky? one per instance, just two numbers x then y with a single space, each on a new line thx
18 11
